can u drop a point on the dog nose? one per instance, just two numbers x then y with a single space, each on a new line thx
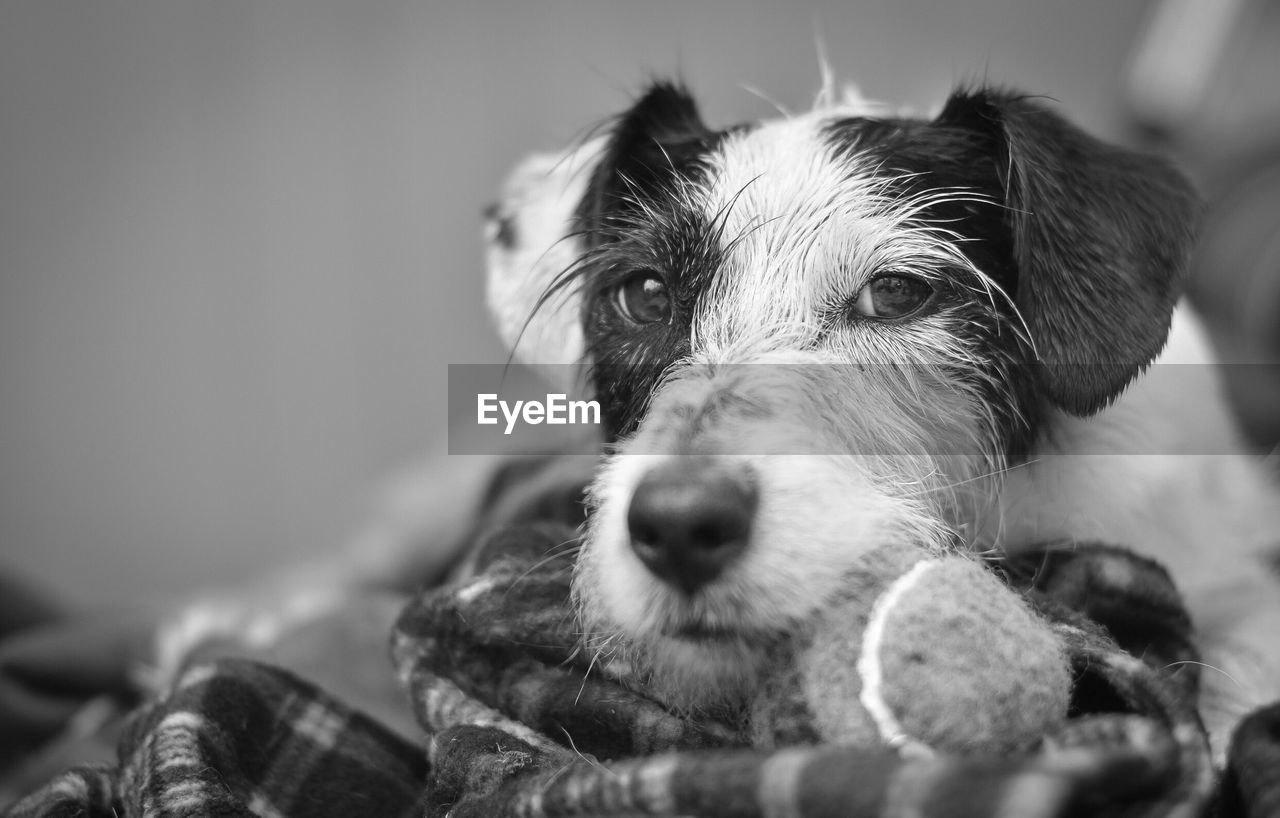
691 517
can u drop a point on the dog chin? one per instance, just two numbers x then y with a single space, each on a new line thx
699 672
693 655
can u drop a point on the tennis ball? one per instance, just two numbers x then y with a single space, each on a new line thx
924 653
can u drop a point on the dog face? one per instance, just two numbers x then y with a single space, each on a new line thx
816 336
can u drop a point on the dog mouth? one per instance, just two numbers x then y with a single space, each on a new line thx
703 632
697 629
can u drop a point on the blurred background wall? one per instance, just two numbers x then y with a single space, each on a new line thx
239 240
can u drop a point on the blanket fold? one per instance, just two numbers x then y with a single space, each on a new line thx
517 721
1134 746
239 738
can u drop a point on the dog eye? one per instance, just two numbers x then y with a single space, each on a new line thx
892 296
643 298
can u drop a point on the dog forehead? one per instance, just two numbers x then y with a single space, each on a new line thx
800 216
780 169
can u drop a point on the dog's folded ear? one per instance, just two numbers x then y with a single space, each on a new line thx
555 207
1101 237
650 142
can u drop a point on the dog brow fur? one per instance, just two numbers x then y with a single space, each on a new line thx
862 433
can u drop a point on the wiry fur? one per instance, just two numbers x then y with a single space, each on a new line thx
768 371
965 426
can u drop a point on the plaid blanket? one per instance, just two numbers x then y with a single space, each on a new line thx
516 725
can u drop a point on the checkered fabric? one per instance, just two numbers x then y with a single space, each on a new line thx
516 725
236 738
519 729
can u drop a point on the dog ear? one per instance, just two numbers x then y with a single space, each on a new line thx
649 144
554 207
1100 238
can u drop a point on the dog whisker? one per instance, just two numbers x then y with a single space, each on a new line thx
850 311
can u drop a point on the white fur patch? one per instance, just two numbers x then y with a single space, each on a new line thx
806 229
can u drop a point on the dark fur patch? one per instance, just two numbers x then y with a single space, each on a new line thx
633 220
1100 241
628 360
932 156
926 156
659 140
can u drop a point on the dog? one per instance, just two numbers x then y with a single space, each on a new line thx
849 328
